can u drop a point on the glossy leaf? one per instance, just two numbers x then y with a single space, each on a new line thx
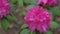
13 1
54 25
29 7
10 18
25 31
26 1
33 2
49 32
24 26
55 11
13 8
57 19
4 24
22 13
33 32
20 2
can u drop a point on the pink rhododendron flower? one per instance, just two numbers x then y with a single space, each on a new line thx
38 18
48 2
4 8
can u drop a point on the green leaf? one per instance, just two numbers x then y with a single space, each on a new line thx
13 8
22 13
54 25
10 18
4 24
49 32
20 2
33 2
24 26
26 1
33 32
0 22
29 7
25 31
55 11
13 1
57 19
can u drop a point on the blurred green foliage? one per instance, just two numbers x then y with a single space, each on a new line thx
25 31
54 25
55 10
4 24
49 32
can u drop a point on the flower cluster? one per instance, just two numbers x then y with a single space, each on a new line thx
4 8
38 18
48 2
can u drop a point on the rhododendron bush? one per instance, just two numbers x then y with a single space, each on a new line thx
30 16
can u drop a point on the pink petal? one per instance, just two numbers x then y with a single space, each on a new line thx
31 26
